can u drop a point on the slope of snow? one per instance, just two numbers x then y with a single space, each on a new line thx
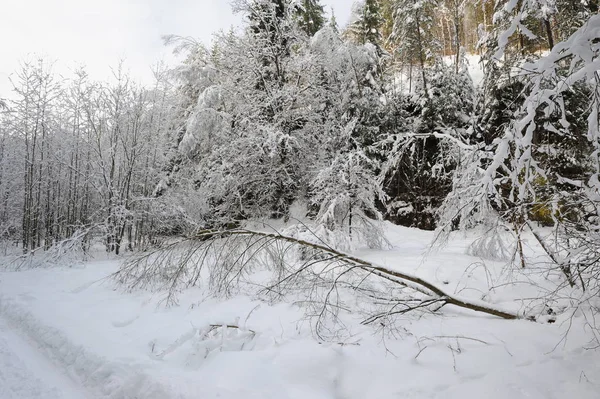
128 345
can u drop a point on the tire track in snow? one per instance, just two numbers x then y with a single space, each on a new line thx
27 374
95 375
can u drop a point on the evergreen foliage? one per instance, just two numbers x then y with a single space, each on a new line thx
366 24
311 16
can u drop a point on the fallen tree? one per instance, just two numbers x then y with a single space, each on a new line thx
227 259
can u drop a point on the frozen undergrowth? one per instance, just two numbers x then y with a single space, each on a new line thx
127 345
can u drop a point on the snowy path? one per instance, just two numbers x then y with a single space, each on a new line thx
26 374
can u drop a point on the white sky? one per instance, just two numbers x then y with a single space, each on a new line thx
97 33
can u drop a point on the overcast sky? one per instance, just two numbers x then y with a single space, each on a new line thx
97 33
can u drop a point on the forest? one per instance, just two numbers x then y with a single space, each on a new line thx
328 129
405 204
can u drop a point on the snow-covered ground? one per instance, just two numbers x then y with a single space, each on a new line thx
26 373
402 84
103 342
475 69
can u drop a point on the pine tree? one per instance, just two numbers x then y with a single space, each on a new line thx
367 23
413 30
311 16
333 22
387 26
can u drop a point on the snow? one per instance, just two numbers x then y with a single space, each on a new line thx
25 373
474 67
72 332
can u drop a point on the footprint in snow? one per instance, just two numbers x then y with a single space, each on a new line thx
125 323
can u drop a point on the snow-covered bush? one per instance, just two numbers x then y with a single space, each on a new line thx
346 194
545 160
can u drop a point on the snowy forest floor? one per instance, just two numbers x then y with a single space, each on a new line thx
70 332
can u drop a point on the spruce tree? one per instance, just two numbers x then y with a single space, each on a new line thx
311 16
414 31
333 22
366 27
